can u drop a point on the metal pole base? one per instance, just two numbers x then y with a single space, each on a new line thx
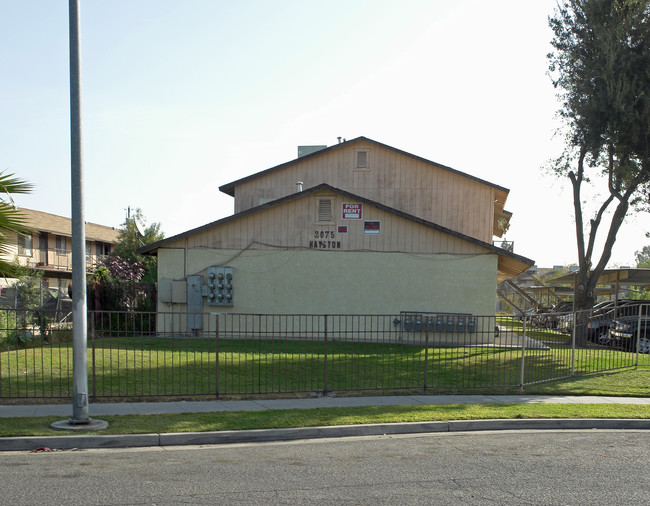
70 424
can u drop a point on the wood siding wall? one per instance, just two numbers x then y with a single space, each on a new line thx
295 224
393 179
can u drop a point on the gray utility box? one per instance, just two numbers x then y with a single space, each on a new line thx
194 302
221 291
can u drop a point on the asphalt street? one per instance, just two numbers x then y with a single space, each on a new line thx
505 467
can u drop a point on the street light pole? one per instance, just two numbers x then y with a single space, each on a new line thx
79 420
79 315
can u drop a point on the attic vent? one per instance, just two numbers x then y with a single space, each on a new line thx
325 210
362 159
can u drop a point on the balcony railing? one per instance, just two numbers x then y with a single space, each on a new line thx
59 260
506 245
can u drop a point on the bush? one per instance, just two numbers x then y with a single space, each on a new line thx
19 337
7 326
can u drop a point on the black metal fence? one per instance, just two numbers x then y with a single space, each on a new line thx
145 355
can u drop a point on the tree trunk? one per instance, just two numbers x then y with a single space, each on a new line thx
584 299
585 293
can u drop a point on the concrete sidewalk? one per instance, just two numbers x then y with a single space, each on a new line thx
154 408
85 441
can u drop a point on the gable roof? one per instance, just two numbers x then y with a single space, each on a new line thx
40 221
229 188
510 264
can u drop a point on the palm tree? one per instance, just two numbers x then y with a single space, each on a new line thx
11 219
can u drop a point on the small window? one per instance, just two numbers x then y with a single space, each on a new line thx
325 210
61 246
25 245
102 248
362 159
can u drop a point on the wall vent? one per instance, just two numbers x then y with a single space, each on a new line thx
325 210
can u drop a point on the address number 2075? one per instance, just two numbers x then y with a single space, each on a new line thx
323 234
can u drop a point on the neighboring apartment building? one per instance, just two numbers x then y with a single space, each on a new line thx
356 228
49 247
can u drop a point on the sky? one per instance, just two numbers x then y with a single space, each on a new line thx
181 97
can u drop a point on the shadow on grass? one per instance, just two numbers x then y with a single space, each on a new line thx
160 368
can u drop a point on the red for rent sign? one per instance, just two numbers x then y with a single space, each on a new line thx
352 211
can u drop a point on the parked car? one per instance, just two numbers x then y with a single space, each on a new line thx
598 327
600 320
604 313
564 323
556 317
624 331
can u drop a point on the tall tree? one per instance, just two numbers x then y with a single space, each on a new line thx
134 234
643 258
601 68
11 220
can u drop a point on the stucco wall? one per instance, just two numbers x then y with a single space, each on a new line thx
338 282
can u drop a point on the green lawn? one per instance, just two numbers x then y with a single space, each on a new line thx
533 332
243 420
624 383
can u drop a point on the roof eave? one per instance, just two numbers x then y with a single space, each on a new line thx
510 263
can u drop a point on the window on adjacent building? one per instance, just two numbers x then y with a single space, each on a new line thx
325 210
61 245
25 245
102 248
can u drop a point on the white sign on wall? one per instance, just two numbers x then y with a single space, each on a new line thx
352 211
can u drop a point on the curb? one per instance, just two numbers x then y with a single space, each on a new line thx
83 442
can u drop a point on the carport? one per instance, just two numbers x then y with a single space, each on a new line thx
613 278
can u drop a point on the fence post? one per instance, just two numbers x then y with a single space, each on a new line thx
573 340
325 358
92 344
426 350
259 352
638 335
522 378
216 346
